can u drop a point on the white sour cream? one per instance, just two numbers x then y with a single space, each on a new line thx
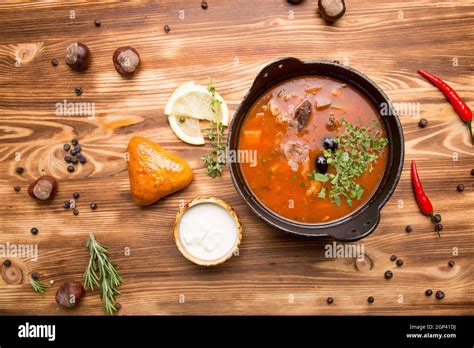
207 231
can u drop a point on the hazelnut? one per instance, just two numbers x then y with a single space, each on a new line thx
70 293
331 10
78 56
126 60
43 188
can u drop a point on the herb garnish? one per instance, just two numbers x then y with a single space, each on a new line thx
358 149
216 159
38 286
101 272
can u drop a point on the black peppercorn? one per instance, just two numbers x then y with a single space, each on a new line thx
17 188
70 168
7 263
439 295
97 23
66 147
423 123
472 172
74 142
20 170
75 211
54 62
330 300
429 292
34 231
438 227
460 188
118 306
78 90
437 218
66 204
388 274
451 263
204 4
393 257
35 275
93 206
370 299
166 28
409 228
76 195
399 263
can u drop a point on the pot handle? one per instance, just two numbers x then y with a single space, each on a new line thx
272 70
360 227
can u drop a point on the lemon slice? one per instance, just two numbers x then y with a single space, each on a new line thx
187 129
194 101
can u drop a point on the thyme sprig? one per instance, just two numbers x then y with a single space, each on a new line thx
38 286
215 160
102 273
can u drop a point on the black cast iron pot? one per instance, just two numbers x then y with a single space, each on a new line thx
362 221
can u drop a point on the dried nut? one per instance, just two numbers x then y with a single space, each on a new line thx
69 294
331 10
78 56
12 275
43 188
126 60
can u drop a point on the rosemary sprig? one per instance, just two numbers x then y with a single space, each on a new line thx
102 273
215 160
38 286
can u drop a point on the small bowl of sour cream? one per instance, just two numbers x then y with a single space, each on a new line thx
207 231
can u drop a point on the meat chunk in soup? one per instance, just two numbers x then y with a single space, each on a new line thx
296 153
302 114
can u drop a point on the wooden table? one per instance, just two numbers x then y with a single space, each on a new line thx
230 42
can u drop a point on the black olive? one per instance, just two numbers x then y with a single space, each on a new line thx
77 148
437 218
322 164
330 144
81 159
73 152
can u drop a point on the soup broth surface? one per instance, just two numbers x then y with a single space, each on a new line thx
286 155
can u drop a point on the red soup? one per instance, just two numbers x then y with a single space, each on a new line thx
321 149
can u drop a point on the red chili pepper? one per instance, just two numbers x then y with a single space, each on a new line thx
458 104
421 198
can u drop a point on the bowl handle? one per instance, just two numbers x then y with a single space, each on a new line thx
273 70
360 227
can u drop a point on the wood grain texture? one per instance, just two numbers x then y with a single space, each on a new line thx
230 41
